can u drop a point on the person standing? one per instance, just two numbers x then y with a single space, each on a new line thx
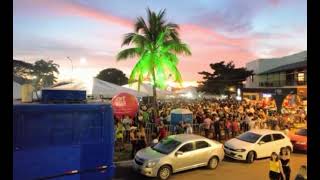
126 121
275 167
133 141
206 124
119 135
162 131
180 128
285 161
235 127
228 127
217 129
188 129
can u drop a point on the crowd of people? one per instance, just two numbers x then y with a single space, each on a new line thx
215 119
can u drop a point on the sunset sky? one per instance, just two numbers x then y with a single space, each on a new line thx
90 32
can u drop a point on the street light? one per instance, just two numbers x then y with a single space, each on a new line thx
71 67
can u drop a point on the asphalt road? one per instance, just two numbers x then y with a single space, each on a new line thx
228 169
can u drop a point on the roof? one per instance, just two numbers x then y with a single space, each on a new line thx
181 111
264 131
187 137
302 64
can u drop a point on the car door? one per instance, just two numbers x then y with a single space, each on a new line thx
202 152
265 146
185 160
279 142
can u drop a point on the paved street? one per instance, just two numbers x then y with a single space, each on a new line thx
228 170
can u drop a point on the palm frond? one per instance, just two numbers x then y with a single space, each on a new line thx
140 25
127 39
129 53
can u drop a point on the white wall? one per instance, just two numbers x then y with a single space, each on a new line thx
262 65
16 90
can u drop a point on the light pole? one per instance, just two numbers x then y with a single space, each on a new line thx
71 67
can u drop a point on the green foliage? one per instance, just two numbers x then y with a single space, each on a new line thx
223 77
156 43
113 75
22 69
44 73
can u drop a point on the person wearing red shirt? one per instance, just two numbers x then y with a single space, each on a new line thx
162 131
234 127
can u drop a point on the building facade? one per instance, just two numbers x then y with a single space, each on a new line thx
288 71
287 74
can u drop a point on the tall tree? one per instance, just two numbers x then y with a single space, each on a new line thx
22 69
156 43
44 73
223 77
113 75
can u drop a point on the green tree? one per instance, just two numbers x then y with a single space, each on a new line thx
156 43
44 74
22 69
223 77
113 75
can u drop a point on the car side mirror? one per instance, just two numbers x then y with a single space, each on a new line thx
261 142
179 153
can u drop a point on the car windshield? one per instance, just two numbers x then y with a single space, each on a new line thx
166 145
301 132
249 137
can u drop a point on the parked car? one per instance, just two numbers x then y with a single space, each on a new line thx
256 144
299 139
178 153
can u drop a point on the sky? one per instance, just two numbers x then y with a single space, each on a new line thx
90 32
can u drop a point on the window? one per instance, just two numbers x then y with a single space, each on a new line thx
201 144
278 137
166 145
266 138
186 147
249 137
300 76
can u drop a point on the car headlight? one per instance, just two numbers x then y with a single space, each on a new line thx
301 143
151 164
240 150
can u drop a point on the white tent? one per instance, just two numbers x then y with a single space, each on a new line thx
148 89
109 90
71 86
16 90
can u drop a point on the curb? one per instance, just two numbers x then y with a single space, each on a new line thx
126 163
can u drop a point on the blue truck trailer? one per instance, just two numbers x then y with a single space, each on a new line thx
63 141
62 96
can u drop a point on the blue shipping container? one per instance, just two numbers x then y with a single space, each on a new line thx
63 141
56 95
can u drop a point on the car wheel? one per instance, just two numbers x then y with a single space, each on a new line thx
250 157
213 163
164 172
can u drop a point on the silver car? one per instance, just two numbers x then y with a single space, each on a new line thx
178 153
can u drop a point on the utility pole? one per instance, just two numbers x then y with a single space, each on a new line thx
71 66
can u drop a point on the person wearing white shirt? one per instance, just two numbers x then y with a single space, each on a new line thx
189 129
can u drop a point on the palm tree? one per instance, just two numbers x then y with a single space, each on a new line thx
156 43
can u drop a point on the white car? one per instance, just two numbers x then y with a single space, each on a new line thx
256 144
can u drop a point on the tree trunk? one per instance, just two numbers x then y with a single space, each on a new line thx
155 104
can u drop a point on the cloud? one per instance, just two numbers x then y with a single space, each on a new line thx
213 35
